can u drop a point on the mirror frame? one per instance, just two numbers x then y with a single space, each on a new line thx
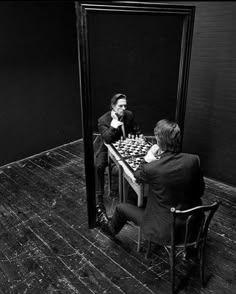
83 8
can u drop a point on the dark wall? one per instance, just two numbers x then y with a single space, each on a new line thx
39 82
210 124
138 55
39 88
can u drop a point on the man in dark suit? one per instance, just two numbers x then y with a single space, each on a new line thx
114 124
175 180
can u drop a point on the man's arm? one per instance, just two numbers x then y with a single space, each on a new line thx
141 175
107 131
151 154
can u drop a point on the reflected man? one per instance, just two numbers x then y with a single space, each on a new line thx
114 124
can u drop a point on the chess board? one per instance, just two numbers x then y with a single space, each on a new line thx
134 162
132 150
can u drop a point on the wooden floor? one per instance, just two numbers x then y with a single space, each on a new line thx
46 247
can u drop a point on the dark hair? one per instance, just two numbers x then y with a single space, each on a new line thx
168 135
116 97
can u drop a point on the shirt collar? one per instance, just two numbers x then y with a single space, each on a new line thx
112 113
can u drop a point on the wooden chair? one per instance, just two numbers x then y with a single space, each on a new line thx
97 141
196 242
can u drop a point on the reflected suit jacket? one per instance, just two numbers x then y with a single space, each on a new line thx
109 134
175 180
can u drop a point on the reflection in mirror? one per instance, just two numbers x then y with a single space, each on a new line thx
116 125
143 52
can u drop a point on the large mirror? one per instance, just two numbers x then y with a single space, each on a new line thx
139 49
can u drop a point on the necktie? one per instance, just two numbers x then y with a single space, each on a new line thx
122 127
123 130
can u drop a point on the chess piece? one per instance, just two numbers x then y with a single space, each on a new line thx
141 138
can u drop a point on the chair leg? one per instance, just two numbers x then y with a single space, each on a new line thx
139 239
202 264
109 177
172 270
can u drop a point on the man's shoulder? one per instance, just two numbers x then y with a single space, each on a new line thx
169 160
105 116
171 157
190 157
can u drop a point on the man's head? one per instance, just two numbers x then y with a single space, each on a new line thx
119 104
167 134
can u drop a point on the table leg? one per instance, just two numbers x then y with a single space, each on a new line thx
109 175
120 183
125 189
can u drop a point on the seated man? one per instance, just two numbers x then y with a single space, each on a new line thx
175 180
114 124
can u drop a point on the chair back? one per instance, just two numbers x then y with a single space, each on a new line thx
97 142
195 222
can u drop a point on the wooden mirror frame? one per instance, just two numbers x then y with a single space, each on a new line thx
83 8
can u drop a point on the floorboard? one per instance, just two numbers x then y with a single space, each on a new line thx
46 246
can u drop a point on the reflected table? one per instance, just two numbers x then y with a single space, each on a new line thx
127 156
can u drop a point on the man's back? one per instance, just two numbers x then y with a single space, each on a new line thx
174 181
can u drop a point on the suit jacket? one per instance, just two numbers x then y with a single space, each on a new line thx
111 135
175 180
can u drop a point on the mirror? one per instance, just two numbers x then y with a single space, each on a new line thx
136 48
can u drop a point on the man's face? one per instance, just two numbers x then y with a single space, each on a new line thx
120 106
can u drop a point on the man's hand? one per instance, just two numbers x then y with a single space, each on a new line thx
115 123
151 155
154 149
114 115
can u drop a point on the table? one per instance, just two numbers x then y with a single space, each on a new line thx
126 177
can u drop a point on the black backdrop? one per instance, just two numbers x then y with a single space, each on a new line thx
138 55
39 80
